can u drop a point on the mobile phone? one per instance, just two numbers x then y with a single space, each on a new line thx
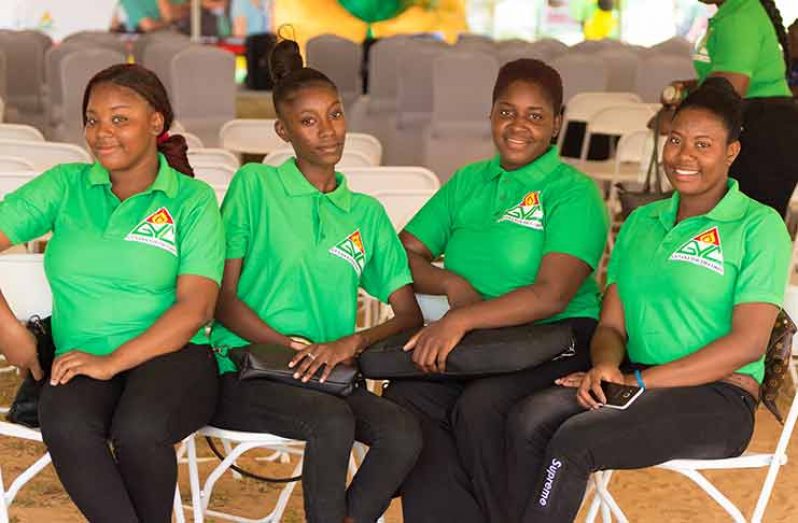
619 396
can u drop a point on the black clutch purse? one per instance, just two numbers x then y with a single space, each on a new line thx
483 352
270 362
24 409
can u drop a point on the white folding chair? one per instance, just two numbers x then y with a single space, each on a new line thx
371 180
581 107
214 156
254 136
44 155
10 181
348 158
220 190
365 143
193 141
214 174
15 163
16 131
402 205
616 120
693 468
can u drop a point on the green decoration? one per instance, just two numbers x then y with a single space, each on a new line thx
371 11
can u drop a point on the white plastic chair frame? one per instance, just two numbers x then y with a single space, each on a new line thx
251 135
348 158
691 468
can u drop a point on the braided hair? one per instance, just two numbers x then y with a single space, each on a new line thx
778 25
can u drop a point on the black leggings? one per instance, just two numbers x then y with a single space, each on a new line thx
767 167
554 444
459 477
330 425
143 412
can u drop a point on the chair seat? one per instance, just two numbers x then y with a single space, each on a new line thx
244 437
749 460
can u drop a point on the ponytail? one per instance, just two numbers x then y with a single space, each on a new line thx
175 150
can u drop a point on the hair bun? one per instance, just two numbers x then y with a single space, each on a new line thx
284 59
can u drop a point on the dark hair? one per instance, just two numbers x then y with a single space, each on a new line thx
781 32
533 71
289 73
717 96
147 85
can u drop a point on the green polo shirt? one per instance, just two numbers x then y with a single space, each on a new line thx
741 39
305 253
679 283
113 266
495 226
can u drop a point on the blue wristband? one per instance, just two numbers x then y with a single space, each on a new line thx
639 378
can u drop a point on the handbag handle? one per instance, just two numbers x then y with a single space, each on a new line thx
653 163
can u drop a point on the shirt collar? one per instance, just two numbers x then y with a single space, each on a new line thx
726 8
730 208
534 171
165 181
296 184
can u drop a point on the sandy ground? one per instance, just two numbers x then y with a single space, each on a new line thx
645 496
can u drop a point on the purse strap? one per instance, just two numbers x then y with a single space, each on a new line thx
654 163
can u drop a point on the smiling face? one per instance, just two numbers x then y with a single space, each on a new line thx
697 155
121 127
313 122
523 123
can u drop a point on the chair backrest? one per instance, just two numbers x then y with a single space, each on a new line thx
622 67
214 174
581 72
105 39
416 71
372 180
510 52
213 156
25 285
2 109
74 72
10 181
348 158
14 164
157 56
24 52
658 70
366 144
220 190
677 46
3 75
340 59
383 76
44 155
402 205
143 41
620 119
583 106
192 140
256 136
14 131
214 70
460 95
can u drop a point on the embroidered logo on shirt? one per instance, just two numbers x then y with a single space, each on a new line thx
703 250
157 229
351 249
528 213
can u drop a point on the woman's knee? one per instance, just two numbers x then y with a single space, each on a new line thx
536 419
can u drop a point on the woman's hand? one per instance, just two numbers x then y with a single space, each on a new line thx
460 293
592 383
573 380
312 357
432 344
77 363
18 345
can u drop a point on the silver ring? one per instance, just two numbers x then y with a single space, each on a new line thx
311 355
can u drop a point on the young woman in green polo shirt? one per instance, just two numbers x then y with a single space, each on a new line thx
694 286
299 245
134 264
521 233
747 44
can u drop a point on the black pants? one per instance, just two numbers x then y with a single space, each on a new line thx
460 474
143 412
767 167
554 444
329 425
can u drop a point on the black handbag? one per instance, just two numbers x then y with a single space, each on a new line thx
269 361
652 188
24 409
482 352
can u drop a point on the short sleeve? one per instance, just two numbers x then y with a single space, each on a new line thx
433 224
235 216
387 270
736 46
202 239
619 250
577 224
764 267
31 210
